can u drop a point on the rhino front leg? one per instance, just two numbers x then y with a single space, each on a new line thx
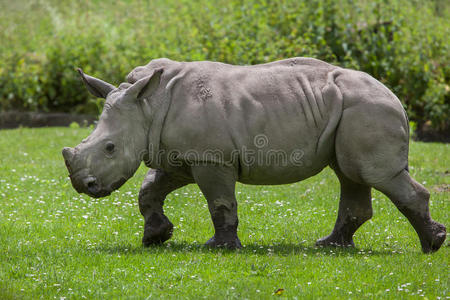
156 186
217 184
355 208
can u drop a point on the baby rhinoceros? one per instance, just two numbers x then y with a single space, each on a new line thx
214 124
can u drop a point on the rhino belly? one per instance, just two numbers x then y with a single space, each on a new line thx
281 163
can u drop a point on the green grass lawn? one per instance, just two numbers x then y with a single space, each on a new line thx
55 243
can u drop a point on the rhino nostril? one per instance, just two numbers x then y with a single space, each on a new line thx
91 184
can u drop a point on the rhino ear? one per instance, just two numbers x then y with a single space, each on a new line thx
95 86
145 86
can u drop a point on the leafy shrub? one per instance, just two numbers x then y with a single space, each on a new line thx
403 43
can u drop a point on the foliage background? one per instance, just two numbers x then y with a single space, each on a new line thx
403 43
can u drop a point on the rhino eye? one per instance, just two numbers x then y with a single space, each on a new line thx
109 147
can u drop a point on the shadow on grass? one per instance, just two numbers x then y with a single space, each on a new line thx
280 249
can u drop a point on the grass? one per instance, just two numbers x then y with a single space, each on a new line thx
55 243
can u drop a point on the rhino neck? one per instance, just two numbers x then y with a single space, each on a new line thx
155 115
156 122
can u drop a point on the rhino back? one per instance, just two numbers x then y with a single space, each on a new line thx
257 117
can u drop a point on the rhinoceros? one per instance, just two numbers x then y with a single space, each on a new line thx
216 124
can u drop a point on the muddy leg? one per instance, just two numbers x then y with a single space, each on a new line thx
156 186
411 198
355 208
218 185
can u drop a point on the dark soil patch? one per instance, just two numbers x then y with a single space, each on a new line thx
442 188
425 133
15 119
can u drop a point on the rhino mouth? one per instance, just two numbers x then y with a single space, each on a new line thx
89 185
84 182
117 184
98 193
95 190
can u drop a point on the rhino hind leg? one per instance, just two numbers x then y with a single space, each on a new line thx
156 186
355 208
412 199
217 184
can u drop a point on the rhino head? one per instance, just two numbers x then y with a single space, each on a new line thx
112 153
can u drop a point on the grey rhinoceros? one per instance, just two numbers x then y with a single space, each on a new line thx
214 124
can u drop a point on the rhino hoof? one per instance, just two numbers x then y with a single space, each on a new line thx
334 240
438 235
154 235
228 244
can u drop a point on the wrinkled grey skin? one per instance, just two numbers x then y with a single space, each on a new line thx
337 117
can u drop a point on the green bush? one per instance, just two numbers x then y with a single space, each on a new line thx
403 43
